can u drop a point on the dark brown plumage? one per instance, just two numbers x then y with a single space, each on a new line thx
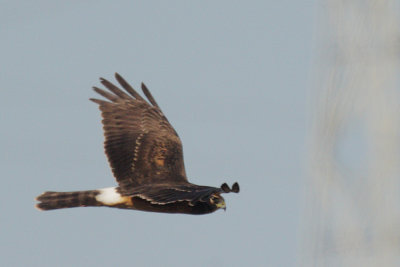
146 157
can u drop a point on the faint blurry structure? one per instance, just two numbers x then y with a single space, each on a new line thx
352 211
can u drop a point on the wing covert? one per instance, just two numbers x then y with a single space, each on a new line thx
141 145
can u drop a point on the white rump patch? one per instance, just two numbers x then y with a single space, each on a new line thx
109 196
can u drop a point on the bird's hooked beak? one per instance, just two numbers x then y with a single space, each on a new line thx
221 204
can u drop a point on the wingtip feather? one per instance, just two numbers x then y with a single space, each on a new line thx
105 94
128 87
149 96
235 187
225 188
117 75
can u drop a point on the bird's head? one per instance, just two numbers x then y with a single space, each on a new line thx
217 201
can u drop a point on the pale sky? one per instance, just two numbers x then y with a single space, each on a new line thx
231 76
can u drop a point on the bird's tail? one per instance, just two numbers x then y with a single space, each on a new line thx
60 200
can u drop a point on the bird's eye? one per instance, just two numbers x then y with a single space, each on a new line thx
214 199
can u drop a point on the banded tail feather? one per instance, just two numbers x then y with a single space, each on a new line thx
90 198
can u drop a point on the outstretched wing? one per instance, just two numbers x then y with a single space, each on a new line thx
141 145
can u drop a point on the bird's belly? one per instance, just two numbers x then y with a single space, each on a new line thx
138 203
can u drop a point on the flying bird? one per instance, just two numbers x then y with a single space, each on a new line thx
146 157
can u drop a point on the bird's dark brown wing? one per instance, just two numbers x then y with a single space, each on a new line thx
141 145
166 194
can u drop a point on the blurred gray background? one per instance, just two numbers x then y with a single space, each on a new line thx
231 76
352 212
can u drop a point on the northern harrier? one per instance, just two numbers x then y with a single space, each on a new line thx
145 154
